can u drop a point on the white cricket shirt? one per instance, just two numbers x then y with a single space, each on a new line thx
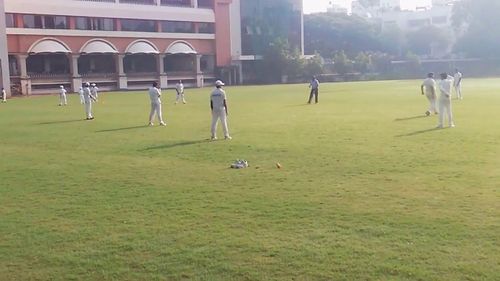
217 97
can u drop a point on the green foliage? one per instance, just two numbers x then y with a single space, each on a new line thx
419 44
367 190
328 33
342 64
362 63
480 18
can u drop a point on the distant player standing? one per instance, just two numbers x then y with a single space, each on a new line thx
314 85
88 97
155 97
4 96
62 96
94 91
179 88
445 100
430 92
457 83
80 93
218 104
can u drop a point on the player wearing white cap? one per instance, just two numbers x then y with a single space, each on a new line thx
80 93
62 96
94 91
429 85
179 88
155 97
218 104
457 83
445 100
88 97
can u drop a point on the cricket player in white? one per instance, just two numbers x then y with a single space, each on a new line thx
62 96
430 92
179 88
445 100
88 97
80 93
94 91
155 96
457 84
218 104
4 96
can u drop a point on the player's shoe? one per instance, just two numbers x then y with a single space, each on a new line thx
213 138
151 124
439 126
427 113
228 138
452 125
163 124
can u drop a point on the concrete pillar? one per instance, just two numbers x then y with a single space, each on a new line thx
163 79
199 73
23 72
76 79
122 77
4 53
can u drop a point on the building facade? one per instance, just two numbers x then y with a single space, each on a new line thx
122 44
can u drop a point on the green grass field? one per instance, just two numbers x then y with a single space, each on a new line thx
368 189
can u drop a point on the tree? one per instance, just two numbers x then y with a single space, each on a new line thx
328 33
341 63
479 19
417 44
362 63
392 39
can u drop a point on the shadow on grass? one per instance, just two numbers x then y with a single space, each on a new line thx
61 122
410 118
177 144
420 132
123 129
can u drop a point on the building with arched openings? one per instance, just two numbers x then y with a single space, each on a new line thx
128 44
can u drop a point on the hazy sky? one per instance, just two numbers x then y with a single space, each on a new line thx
311 6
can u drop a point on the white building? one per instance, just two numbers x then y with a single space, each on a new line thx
4 58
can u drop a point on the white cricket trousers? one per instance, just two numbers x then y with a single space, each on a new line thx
62 99
458 90
180 97
216 115
155 109
88 109
445 108
82 99
432 103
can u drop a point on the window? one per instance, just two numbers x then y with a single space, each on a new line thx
94 24
205 27
177 27
10 20
138 25
180 3
205 4
48 22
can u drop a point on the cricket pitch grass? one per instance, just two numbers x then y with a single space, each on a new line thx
367 189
